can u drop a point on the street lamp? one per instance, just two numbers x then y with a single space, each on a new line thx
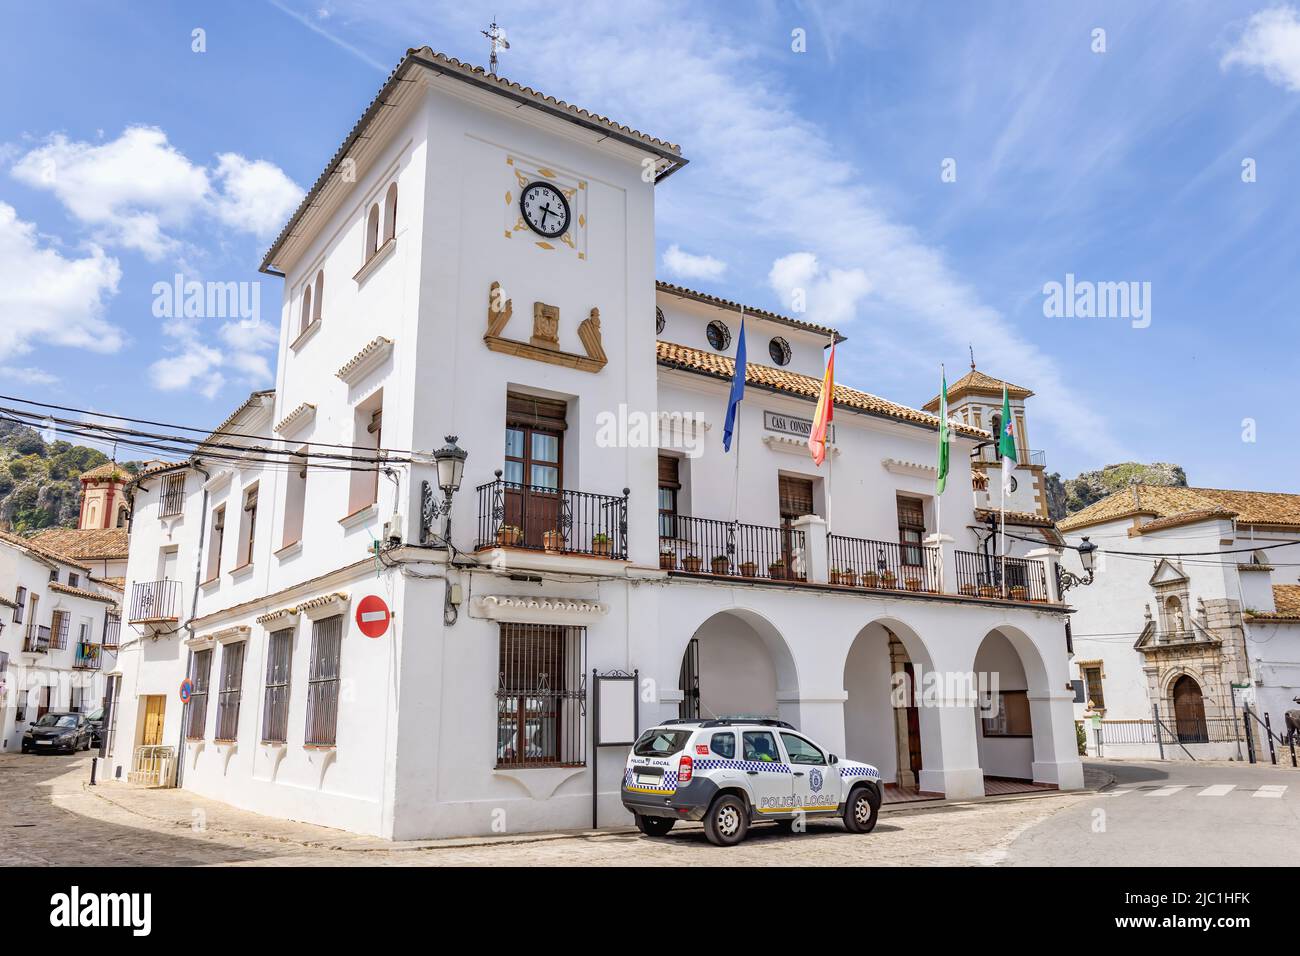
1088 558
450 462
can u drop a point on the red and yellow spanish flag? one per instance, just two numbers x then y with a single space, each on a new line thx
825 412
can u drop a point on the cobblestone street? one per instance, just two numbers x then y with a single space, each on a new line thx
50 817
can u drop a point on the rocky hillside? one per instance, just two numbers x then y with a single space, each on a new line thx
1075 494
38 479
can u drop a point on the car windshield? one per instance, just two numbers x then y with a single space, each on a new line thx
660 742
97 714
57 720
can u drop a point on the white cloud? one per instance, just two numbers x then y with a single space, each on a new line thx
256 196
49 298
138 191
1270 44
684 265
191 365
828 296
28 375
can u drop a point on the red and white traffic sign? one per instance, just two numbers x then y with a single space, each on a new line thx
373 615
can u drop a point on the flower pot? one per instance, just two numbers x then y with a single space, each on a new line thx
849 578
870 579
691 563
601 547
508 536
668 561
837 577
888 580
720 565
748 569
967 589
988 591
553 541
913 584
1018 593
777 572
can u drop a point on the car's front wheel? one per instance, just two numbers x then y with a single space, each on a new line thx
654 826
861 810
727 821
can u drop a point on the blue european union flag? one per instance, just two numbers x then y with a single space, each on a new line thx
737 390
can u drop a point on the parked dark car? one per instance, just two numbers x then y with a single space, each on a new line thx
57 730
96 721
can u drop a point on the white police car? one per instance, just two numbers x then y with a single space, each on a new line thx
733 771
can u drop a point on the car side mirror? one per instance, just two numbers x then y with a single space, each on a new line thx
834 759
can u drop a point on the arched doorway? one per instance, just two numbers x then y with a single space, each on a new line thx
1013 720
1189 711
883 724
736 662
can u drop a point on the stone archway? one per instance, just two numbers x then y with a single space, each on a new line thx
737 662
1189 710
1014 722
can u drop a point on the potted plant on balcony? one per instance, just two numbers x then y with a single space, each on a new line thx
748 569
1019 593
989 591
509 536
888 579
848 577
870 579
776 570
721 564
912 582
553 541
837 576
967 589
668 558
600 544
691 563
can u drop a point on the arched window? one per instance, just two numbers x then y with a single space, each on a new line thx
306 308
320 295
390 212
372 231
122 516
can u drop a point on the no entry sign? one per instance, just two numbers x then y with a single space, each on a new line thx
372 615
187 688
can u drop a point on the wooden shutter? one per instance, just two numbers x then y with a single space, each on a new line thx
669 474
796 496
529 411
911 513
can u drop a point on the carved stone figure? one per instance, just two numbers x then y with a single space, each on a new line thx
499 310
546 326
589 335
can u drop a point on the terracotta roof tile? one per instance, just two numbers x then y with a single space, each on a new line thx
1286 597
81 592
976 382
1168 506
723 367
105 472
685 293
88 544
41 550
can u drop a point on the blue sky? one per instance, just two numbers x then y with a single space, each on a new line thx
126 157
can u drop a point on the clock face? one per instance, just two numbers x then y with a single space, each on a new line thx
545 209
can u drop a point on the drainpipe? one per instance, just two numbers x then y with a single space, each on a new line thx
194 606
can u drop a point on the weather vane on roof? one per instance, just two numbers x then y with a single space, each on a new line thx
972 357
497 37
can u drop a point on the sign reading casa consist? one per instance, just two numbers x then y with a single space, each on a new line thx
373 615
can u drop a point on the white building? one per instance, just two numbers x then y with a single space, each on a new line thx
1194 612
751 581
58 634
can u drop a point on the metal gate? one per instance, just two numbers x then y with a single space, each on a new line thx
689 681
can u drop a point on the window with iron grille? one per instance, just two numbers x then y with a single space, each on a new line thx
323 681
173 496
196 711
59 630
232 676
1092 682
542 696
275 707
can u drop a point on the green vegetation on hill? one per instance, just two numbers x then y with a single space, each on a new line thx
1074 494
38 479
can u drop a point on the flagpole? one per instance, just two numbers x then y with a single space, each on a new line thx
938 498
1002 523
830 458
735 494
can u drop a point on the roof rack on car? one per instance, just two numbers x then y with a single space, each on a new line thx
731 721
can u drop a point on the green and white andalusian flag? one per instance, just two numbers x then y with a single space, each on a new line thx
945 439
1007 441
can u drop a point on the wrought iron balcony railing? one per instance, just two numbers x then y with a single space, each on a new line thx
88 657
710 546
155 601
1025 456
112 631
538 518
980 575
37 640
867 563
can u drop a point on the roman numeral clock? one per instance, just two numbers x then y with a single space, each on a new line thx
547 206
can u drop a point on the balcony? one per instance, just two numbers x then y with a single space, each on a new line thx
112 631
980 575
1031 456
888 565
558 521
719 548
88 657
154 602
37 640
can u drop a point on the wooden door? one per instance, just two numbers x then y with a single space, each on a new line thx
1189 711
913 725
796 500
534 466
155 707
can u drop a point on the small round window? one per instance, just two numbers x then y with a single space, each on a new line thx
779 349
659 321
719 335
